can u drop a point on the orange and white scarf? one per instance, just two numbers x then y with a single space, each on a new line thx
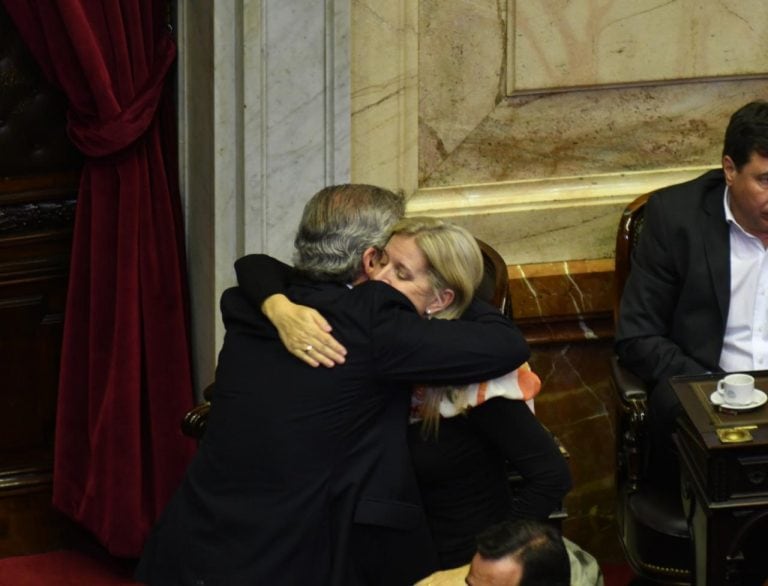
521 384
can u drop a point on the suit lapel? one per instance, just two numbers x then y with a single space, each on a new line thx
717 246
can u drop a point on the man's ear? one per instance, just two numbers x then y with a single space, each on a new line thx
729 169
442 300
370 260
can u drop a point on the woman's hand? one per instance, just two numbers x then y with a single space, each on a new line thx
304 332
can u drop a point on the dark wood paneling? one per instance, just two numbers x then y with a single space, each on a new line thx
39 171
35 239
33 137
28 523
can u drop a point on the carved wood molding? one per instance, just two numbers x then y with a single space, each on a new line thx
24 479
37 216
568 329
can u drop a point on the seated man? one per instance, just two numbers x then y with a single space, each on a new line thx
695 300
520 553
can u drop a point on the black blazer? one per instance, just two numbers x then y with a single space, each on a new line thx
304 475
675 305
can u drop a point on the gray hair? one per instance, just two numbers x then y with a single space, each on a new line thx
339 223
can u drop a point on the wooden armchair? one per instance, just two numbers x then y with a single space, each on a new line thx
494 288
653 528
196 419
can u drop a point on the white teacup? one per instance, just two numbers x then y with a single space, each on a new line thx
737 389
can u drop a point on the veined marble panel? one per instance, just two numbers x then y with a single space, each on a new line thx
459 72
384 93
451 58
293 69
577 404
544 178
265 123
550 139
565 312
547 220
575 289
556 44
595 132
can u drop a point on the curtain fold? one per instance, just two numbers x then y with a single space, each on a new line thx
125 377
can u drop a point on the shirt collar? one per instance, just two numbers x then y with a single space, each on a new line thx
731 219
727 205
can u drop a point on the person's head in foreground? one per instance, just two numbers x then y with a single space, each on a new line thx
745 164
341 227
520 553
436 264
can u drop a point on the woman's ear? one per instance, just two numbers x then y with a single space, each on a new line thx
442 300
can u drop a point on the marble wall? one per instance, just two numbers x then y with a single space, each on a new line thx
557 44
264 124
577 404
384 42
543 175
564 310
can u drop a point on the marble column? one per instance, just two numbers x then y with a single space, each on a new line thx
264 123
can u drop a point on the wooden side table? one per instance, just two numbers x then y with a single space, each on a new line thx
724 468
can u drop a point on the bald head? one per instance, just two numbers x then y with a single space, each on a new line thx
505 571
520 553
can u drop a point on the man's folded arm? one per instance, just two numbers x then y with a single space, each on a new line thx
655 358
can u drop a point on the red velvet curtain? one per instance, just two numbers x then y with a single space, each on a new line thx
125 373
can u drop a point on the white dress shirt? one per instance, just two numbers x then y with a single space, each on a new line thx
745 345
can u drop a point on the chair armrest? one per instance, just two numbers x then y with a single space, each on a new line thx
196 420
208 392
629 386
563 450
633 401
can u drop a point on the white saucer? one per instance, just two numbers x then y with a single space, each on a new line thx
758 398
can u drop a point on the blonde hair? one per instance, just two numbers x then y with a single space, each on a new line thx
454 261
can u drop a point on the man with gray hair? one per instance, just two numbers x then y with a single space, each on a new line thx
304 475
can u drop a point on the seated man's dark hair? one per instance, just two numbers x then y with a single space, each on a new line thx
537 547
747 132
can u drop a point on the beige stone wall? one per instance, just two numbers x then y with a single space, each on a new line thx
629 96
559 44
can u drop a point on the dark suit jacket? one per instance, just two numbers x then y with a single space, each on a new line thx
304 474
675 305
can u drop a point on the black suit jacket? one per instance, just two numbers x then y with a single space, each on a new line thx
304 475
674 307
